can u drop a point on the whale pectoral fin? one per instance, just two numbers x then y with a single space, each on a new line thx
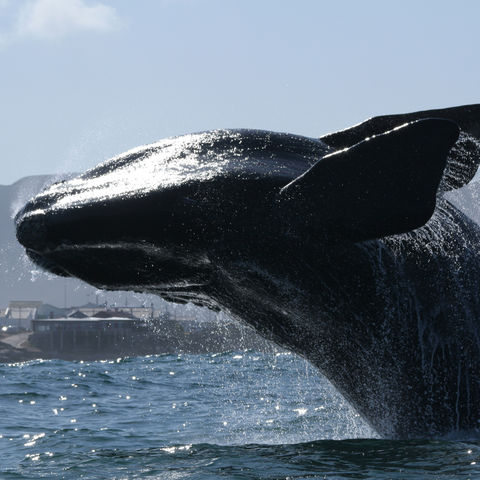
381 186
464 158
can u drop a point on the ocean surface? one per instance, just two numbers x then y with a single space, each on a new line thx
239 415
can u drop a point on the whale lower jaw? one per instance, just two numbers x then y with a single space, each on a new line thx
87 262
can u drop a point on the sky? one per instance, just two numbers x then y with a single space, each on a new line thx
83 80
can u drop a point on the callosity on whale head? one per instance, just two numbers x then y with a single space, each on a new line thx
342 249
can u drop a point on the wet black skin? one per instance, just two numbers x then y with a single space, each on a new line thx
354 260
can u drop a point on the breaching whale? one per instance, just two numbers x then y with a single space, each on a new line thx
343 249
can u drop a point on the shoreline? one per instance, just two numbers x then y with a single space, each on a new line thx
25 352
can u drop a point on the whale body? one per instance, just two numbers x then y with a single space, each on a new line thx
343 249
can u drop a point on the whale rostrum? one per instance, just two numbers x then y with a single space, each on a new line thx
343 249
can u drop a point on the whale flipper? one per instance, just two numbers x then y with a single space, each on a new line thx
381 186
464 158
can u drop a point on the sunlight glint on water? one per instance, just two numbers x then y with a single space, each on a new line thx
240 414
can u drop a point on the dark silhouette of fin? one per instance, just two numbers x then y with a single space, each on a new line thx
464 158
384 185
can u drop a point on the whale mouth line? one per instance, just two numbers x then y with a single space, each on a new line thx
79 259
46 264
179 292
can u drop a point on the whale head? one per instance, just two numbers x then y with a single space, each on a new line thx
157 215
173 203
160 217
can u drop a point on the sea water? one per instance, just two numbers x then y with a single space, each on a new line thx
238 415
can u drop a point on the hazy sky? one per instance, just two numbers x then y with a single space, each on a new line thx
82 80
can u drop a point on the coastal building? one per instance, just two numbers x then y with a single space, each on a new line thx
77 314
20 313
73 334
90 310
46 310
92 331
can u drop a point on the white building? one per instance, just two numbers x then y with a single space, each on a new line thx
20 313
